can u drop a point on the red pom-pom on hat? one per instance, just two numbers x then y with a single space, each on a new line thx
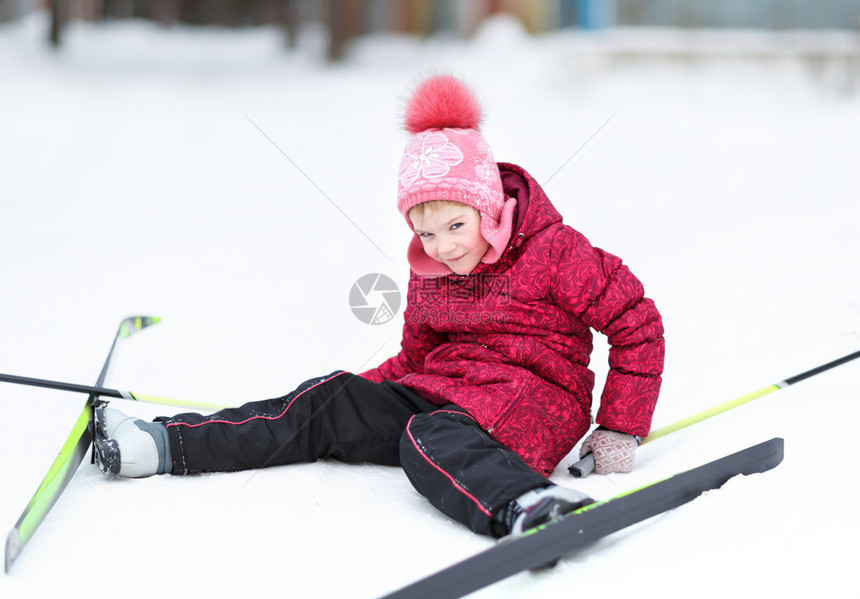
442 102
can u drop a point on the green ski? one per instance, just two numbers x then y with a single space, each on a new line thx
69 458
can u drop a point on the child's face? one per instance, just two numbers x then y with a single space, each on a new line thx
451 234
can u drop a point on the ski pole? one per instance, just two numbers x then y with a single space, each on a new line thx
105 392
584 466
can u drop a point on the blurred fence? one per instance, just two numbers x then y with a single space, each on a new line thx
758 14
347 19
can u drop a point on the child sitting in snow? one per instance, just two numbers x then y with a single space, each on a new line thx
491 388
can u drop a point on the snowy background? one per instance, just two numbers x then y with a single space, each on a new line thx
200 176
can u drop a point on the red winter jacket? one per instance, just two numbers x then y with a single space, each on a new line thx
511 341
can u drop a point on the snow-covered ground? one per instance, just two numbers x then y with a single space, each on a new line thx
234 189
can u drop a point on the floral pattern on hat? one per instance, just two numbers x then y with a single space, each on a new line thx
487 169
429 155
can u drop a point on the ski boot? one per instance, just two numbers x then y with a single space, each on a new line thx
538 507
129 446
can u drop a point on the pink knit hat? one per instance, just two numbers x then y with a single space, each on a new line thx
447 159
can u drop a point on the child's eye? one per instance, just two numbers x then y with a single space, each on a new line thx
425 235
456 225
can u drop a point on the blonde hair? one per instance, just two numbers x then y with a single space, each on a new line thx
419 210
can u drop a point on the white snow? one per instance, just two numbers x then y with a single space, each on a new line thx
203 176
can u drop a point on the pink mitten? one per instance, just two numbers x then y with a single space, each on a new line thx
613 452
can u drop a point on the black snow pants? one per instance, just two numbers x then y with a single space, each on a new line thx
446 455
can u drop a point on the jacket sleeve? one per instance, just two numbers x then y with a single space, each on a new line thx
418 340
597 288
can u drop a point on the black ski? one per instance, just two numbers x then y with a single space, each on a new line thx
546 544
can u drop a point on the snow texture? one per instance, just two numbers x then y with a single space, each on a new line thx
238 191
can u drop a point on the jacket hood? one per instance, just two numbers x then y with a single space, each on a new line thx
534 210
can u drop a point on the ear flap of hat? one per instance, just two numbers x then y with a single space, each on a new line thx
423 264
498 234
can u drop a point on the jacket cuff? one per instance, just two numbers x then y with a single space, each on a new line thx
628 403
